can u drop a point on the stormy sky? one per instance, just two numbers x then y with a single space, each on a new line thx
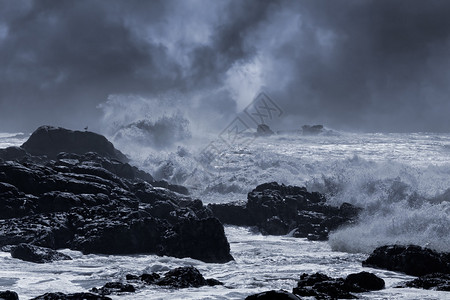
349 64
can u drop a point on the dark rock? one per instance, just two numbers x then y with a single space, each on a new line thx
8 295
273 295
412 260
322 286
364 281
200 239
50 141
312 130
114 288
75 296
435 281
263 129
213 282
149 278
95 203
234 213
13 153
37 254
184 277
279 209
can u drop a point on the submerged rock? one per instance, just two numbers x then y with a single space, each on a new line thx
74 296
411 260
278 210
435 281
37 254
114 288
273 295
182 277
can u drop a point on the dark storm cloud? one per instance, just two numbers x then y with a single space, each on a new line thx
371 65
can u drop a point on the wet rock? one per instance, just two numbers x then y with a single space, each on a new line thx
149 278
364 281
49 141
8 295
411 260
322 286
184 277
98 204
37 254
273 295
434 281
279 209
74 296
114 288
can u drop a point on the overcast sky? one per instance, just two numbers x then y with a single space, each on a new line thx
350 65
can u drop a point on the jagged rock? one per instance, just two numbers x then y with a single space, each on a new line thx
435 281
114 288
8 295
37 254
80 202
273 295
50 141
74 296
412 260
185 277
278 209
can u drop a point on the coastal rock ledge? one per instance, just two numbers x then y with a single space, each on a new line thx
98 203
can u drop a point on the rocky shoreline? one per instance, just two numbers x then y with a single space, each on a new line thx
73 189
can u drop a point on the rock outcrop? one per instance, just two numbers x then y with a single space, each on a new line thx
50 141
273 295
263 130
277 209
411 260
98 204
74 296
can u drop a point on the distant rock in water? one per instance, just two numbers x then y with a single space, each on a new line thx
263 129
411 260
74 296
312 129
49 141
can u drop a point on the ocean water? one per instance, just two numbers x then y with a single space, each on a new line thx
402 181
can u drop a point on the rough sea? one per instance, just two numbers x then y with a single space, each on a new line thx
401 179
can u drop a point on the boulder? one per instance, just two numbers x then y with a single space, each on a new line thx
364 281
50 141
435 281
37 254
312 129
8 295
74 296
273 295
411 260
